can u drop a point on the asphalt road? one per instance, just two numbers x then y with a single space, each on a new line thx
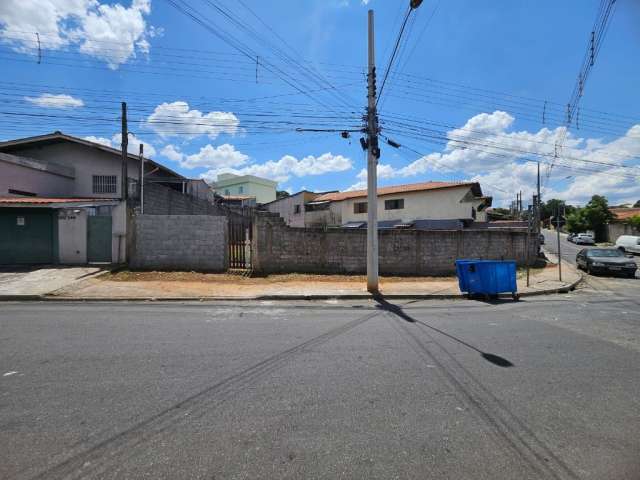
612 285
544 388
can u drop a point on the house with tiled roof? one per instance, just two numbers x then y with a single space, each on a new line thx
61 199
447 205
620 224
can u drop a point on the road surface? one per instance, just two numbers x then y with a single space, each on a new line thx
612 285
547 388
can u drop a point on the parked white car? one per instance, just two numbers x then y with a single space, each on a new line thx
584 239
628 243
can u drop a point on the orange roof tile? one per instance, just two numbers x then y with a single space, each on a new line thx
411 187
625 213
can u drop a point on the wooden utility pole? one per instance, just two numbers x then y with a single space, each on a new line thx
125 155
373 153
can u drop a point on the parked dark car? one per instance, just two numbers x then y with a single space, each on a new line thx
606 260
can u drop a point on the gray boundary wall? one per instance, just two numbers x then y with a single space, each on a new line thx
179 242
161 200
278 248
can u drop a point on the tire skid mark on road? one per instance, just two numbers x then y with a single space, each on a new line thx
507 428
109 454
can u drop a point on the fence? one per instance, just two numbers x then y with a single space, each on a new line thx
179 242
278 248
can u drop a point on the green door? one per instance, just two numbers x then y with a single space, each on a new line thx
99 239
26 236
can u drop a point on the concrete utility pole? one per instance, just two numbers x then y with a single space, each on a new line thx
141 179
528 242
125 156
558 235
372 165
539 214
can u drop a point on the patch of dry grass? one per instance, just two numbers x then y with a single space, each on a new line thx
158 276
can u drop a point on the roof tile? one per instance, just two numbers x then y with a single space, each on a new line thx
411 187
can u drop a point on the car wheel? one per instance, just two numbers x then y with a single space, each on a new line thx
589 270
622 249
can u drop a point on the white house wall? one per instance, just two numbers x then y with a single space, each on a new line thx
444 204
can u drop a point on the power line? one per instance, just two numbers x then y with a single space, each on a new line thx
394 53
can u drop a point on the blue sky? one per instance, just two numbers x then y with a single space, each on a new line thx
465 98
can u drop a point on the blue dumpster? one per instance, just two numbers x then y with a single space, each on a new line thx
487 277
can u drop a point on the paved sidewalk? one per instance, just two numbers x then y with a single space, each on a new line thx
186 285
25 281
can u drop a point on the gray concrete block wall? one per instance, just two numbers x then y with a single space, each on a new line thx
278 248
161 200
179 242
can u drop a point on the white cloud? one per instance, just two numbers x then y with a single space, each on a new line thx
486 151
172 153
282 170
223 156
357 186
169 119
133 146
110 32
48 100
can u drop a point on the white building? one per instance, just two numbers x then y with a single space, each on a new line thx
405 204
230 185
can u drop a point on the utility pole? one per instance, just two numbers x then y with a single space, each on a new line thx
519 201
124 145
558 235
372 165
538 215
528 241
141 179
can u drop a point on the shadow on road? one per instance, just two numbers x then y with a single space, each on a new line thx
399 312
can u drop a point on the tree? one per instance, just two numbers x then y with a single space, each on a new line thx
576 222
282 194
598 215
637 204
635 222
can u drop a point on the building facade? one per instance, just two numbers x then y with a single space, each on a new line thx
404 204
293 209
61 200
230 185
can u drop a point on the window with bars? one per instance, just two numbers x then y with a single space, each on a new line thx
105 184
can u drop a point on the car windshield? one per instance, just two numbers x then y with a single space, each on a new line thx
604 253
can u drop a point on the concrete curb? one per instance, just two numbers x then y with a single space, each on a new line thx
350 296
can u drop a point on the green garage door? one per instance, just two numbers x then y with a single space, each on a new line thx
26 236
99 239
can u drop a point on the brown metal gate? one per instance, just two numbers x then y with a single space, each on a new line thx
240 236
